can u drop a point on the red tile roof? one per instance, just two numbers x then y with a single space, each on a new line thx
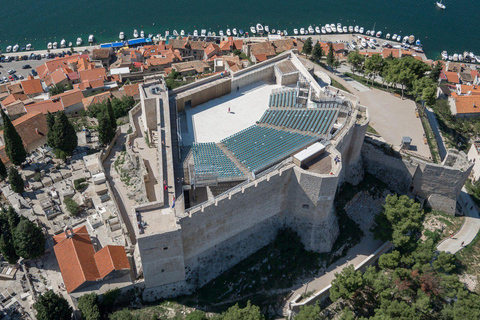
111 258
132 90
14 97
452 77
88 101
467 104
79 263
261 57
93 74
58 76
69 98
32 86
45 106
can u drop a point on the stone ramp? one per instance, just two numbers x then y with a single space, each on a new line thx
234 159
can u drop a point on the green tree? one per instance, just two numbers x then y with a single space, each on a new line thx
3 170
88 305
105 130
356 61
347 314
307 312
51 306
424 89
28 240
400 220
346 284
12 217
374 66
13 142
317 52
196 315
429 95
64 136
72 206
307 46
123 314
330 55
436 71
7 248
250 312
16 181
389 260
50 118
56 89
445 262
111 115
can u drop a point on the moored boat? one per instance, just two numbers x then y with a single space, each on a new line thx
234 31
195 33
324 30
135 33
267 29
229 32
350 29
411 39
55 45
259 28
175 33
220 33
379 34
328 28
317 30
302 30
345 29
182 33
15 48
91 38
441 5
28 47
121 36
310 30
63 43
49 46
285 33
142 34
79 41
295 31
9 48
356 29
361 30
387 36
253 30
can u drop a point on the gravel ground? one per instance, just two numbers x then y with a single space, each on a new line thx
363 208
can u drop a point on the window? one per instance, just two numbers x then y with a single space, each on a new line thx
165 248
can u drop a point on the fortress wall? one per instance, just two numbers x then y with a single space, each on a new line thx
265 73
310 209
438 184
162 258
210 91
258 202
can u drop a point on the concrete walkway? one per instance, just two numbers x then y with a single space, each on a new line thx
470 227
355 256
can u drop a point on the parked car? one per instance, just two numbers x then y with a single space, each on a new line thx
34 73
26 66
21 77
11 71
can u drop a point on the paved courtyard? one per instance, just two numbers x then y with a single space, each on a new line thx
211 121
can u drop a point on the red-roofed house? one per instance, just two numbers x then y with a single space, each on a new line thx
32 128
211 50
81 266
450 77
56 78
466 106
45 106
71 100
32 87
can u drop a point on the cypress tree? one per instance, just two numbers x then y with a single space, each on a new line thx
330 55
7 249
64 136
16 181
111 115
13 142
105 129
50 123
12 217
3 170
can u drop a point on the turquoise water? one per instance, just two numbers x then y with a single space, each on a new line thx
41 21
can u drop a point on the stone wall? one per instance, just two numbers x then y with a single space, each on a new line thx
438 184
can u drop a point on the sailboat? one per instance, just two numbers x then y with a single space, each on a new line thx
441 5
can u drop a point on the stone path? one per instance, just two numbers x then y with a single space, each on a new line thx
470 227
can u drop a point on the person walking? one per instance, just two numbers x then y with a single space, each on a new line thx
463 242
228 109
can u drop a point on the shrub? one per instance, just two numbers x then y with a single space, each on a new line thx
72 206
79 183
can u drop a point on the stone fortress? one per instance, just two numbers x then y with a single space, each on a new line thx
243 154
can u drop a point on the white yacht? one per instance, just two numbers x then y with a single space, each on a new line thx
203 32
195 33
350 29
182 33
150 35
334 29
460 57
229 32
28 47
121 36
214 34
135 33
273 31
79 41
295 31
49 46
175 33
387 36
167 33
285 33
279 32
361 30
328 28
394 37
55 45
444 55
345 29
339 25
260 28
339 30
9 48
399 38
411 39
317 30
441 5
209 34
63 43
267 29
252 30
302 30
234 31
310 30
324 30
15 48
379 34
455 57
356 28
142 34
91 38
368 32
220 33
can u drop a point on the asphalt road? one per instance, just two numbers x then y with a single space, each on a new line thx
17 65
